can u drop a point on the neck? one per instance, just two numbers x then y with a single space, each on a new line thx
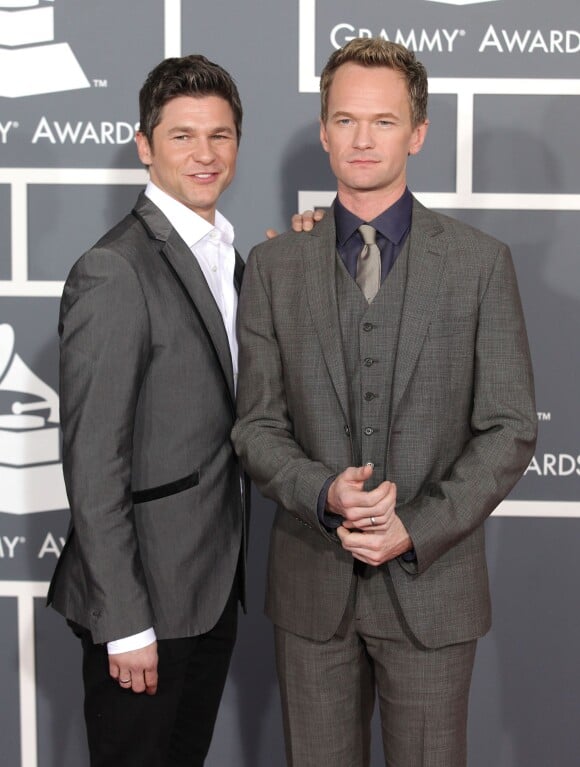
370 204
209 215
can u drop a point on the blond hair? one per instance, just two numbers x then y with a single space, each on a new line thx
375 52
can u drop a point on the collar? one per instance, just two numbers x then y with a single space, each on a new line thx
191 227
393 223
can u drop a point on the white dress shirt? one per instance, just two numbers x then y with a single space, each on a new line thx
212 246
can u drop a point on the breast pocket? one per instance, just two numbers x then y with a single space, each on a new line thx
162 491
451 326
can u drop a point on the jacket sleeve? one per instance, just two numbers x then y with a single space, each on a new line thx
503 428
263 435
104 350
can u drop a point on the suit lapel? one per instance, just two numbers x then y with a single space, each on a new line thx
319 268
238 273
427 256
187 271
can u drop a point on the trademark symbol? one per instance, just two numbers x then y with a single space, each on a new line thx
544 416
98 83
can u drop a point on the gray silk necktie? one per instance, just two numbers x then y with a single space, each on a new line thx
368 270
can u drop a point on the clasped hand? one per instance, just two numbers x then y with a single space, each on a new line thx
371 530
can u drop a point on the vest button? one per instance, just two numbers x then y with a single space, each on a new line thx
369 396
346 430
369 361
369 430
368 326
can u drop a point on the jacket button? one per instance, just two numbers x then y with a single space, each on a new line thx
368 362
347 430
367 326
369 396
369 430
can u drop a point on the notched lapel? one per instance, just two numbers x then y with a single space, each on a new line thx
187 271
238 272
427 256
319 269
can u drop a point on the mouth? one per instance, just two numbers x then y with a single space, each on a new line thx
205 177
362 161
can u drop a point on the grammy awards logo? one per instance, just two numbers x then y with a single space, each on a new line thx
30 466
30 62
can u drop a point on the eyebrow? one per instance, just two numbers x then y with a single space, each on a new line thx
378 115
193 129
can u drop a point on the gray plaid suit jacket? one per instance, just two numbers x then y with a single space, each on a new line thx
147 405
463 420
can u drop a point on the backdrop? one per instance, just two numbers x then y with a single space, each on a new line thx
502 154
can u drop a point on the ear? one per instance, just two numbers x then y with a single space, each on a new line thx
418 137
143 148
323 136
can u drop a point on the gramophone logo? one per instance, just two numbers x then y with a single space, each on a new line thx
30 466
30 62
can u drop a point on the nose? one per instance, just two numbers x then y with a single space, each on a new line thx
203 151
363 137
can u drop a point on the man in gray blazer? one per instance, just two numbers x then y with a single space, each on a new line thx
153 566
386 404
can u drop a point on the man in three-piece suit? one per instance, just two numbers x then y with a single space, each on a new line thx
386 404
153 567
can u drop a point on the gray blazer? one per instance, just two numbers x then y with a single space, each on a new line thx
147 406
462 430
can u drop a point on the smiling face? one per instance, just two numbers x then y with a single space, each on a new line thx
192 156
369 134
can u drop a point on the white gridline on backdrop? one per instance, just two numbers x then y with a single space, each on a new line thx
25 592
465 89
19 286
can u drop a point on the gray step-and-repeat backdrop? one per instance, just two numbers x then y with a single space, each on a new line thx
502 153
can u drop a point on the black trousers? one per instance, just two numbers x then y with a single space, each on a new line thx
172 728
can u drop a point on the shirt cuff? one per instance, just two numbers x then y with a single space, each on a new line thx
133 642
327 518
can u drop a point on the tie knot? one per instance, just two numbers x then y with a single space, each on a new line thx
368 233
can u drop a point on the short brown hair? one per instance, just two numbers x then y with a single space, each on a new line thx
375 52
192 75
